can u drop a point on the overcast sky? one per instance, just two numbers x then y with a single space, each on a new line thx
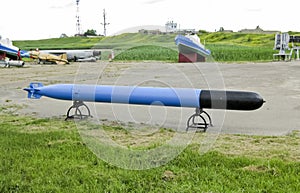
39 19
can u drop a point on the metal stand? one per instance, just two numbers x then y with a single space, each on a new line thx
80 108
198 121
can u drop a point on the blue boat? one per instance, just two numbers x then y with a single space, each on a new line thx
189 44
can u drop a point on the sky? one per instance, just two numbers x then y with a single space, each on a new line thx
42 19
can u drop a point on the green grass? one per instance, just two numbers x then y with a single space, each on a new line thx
254 40
123 41
229 53
48 155
58 43
148 52
130 40
225 47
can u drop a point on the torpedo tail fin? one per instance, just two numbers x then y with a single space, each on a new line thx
33 90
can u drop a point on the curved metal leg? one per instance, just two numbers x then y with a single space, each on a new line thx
197 121
78 114
209 119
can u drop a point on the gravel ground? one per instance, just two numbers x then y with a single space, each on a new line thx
277 82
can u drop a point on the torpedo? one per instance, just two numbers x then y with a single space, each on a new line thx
159 96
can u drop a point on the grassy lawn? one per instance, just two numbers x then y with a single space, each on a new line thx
49 155
225 47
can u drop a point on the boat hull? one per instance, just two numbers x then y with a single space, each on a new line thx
187 46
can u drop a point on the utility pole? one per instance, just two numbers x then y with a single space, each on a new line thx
104 22
78 29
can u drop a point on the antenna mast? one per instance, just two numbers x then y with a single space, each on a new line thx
104 23
78 29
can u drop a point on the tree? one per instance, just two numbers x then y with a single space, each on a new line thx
63 35
201 31
90 32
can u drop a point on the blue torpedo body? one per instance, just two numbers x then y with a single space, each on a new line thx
176 97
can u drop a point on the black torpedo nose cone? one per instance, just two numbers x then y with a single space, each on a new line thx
231 100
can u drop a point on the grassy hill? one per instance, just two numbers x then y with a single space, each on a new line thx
241 39
123 41
58 43
225 47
